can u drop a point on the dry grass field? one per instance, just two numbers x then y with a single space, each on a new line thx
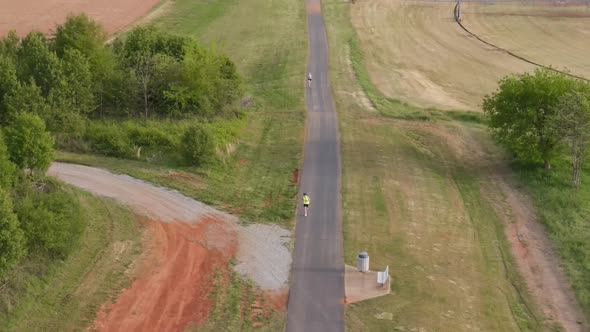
417 53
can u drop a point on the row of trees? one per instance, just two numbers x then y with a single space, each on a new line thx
541 116
75 75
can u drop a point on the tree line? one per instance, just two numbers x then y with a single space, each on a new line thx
73 90
542 116
146 73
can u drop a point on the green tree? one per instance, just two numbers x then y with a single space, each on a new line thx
26 97
197 145
571 121
147 51
81 33
229 88
519 111
8 82
37 61
12 240
79 84
30 146
9 45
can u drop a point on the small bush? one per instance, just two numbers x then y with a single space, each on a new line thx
109 140
30 146
12 241
51 219
148 135
197 145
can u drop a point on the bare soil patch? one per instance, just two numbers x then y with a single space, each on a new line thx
177 277
28 15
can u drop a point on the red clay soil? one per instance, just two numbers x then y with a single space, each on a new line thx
278 299
295 178
175 278
42 15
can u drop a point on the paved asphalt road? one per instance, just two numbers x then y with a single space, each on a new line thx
317 290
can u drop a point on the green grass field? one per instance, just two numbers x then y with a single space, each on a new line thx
65 296
267 41
415 196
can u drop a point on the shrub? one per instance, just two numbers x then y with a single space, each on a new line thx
148 135
197 145
109 140
12 241
29 145
52 220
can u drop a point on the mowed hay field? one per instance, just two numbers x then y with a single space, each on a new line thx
436 201
417 53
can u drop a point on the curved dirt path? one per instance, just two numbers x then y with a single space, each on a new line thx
187 241
316 298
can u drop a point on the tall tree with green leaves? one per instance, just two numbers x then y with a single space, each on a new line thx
9 45
26 97
571 120
79 82
37 61
8 82
520 110
82 34
12 240
29 144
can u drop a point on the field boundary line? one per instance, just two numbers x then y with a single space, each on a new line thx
455 15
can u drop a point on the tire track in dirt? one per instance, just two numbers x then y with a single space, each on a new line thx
175 279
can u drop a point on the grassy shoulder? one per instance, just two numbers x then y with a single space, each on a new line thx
414 198
65 295
565 212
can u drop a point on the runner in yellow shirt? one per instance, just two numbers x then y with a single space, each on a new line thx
306 202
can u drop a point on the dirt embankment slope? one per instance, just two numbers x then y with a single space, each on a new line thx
188 242
28 15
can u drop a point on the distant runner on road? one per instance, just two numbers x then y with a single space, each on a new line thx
309 80
306 202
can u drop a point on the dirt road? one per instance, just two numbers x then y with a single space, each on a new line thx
187 243
28 15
